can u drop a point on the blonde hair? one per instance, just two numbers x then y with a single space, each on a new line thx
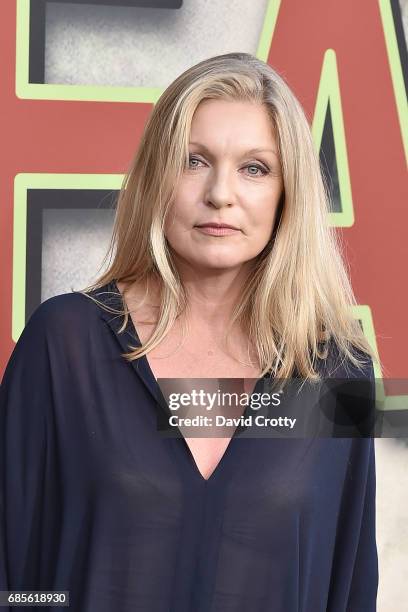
300 296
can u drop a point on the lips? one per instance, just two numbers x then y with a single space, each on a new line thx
217 225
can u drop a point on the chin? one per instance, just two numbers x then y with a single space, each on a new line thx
218 263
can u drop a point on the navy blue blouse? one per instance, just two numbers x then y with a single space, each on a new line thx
94 501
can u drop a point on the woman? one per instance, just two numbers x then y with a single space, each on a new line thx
94 500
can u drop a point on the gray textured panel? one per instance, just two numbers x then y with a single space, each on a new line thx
74 244
133 46
404 13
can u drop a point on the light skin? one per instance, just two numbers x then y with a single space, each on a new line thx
224 183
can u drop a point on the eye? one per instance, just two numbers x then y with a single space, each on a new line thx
263 170
193 159
193 164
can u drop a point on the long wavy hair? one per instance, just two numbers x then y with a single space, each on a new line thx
299 297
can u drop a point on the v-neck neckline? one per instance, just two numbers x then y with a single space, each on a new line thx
145 373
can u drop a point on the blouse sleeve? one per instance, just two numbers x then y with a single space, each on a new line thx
364 581
355 565
26 472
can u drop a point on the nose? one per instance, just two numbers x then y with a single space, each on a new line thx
220 189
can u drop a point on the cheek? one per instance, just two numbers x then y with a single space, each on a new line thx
178 216
262 217
188 197
187 191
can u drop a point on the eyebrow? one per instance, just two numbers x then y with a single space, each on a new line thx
250 152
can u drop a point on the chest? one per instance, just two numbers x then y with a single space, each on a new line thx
198 356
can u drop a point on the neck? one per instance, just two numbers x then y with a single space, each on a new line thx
212 295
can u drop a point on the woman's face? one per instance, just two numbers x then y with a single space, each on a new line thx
226 181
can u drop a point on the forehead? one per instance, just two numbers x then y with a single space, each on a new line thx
240 123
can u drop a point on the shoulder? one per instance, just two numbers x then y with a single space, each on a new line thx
60 312
339 365
60 318
58 323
